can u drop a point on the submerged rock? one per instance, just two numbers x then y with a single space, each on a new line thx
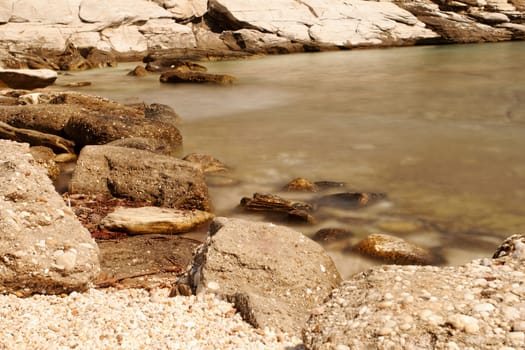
301 185
273 275
154 220
175 77
28 79
351 199
208 163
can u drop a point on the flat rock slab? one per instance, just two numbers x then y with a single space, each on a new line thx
154 220
27 78
273 275
43 247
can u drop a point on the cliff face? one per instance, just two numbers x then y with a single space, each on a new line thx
134 27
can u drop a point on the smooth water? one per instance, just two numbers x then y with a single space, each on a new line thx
441 130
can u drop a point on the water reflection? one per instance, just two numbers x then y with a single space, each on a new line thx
439 129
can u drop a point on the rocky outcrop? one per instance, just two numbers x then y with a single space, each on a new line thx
220 28
478 305
140 176
44 248
27 79
272 274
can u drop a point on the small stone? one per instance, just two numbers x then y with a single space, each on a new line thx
464 323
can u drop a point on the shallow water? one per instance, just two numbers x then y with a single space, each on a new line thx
439 129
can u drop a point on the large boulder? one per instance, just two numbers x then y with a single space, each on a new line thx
273 274
120 11
184 10
42 11
165 33
27 79
140 176
478 305
43 246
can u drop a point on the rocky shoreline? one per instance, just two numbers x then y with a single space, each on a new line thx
82 34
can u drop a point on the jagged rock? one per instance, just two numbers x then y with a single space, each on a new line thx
302 185
175 77
272 274
140 176
272 203
44 248
28 79
394 250
425 307
154 220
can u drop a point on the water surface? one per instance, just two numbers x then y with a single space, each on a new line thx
439 129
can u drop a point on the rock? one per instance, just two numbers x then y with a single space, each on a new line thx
424 307
394 250
25 37
154 145
121 12
272 203
100 58
489 17
398 226
158 112
139 71
301 185
45 157
272 274
40 11
6 10
351 199
167 34
78 84
154 220
513 246
36 138
101 129
27 79
140 176
36 228
175 77
165 64
331 235
185 10
125 39
207 163
254 41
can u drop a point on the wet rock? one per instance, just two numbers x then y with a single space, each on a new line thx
72 60
140 176
513 246
154 220
36 138
28 79
394 250
173 64
273 203
37 229
272 274
102 129
176 77
351 199
139 71
300 215
208 163
301 185
331 235
101 59
158 111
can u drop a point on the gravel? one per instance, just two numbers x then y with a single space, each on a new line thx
130 319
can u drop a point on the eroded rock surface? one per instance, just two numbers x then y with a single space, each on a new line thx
478 305
43 247
273 275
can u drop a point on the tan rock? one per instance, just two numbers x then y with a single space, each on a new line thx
154 220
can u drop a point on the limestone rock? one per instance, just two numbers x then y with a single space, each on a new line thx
44 248
6 10
41 11
120 11
154 220
125 39
425 307
254 41
186 9
166 34
27 79
393 250
140 176
175 77
24 37
45 157
272 274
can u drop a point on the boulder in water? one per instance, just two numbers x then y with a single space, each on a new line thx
27 79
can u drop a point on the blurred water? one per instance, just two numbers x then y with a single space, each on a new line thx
439 129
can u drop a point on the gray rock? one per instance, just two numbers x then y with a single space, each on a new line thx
273 275
424 307
44 248
27 79
140 176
